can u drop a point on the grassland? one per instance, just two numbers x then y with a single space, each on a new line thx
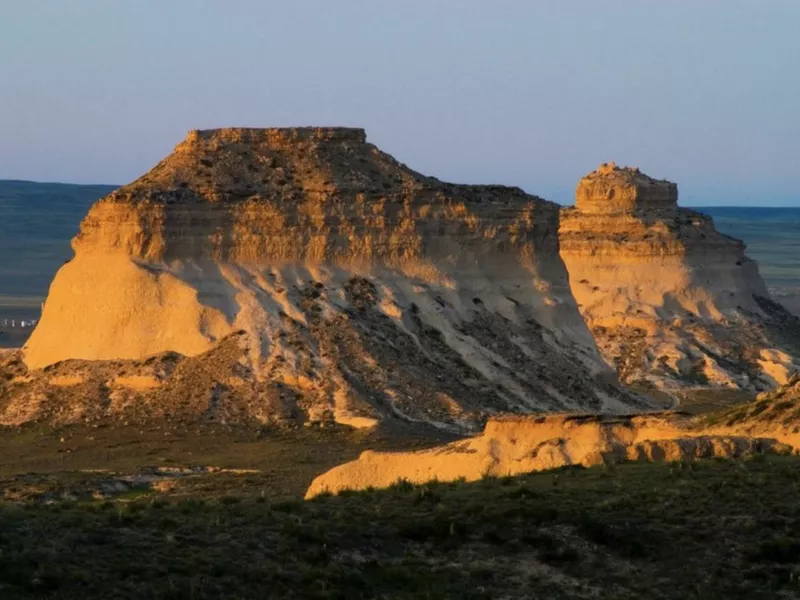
42 463
718 529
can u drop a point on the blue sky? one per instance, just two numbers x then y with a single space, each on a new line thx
520 92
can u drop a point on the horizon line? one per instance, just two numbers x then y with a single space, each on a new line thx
117 186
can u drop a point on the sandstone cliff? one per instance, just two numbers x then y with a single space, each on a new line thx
515 445
670 301
337 283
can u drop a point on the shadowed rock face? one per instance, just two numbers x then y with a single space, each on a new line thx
670 301
354 286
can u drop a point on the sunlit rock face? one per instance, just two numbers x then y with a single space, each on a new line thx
360 287
611 190
514 445
671 302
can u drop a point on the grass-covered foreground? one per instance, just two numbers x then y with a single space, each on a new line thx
718 529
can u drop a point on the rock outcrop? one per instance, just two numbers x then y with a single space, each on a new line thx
338 283
671 302
516 445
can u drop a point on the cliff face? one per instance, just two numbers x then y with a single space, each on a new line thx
670 301
358 286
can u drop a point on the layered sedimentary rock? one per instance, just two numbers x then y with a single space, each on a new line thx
670 301
337 283
516 445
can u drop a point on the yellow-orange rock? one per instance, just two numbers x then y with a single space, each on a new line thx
670 301
611 190
360 287
516 445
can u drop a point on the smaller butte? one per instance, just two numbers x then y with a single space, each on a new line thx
671 301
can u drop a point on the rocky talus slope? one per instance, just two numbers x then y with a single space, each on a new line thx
304 275
671 302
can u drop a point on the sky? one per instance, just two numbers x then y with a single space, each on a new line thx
519 92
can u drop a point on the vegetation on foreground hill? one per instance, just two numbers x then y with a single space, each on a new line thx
716 529
779 407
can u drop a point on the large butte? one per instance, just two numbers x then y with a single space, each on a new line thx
361 288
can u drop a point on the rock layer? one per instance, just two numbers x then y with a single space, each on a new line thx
358 286
516 445
670 301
